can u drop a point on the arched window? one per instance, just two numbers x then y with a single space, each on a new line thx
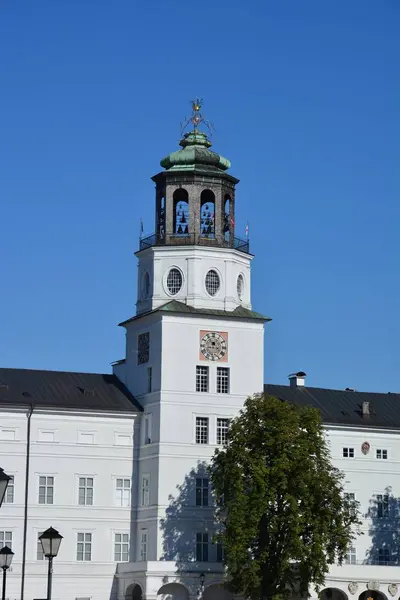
161 218
228 216
181 212
207 214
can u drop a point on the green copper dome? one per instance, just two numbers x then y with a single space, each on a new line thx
195 154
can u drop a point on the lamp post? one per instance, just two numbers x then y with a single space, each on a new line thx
6 556
4 479
50 540
200 590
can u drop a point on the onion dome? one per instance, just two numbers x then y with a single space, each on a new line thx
195 155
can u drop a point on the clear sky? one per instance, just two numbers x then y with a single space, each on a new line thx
305 98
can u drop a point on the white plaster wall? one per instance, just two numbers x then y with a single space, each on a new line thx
66 459
194 262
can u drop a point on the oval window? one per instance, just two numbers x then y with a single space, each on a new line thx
212 282
174 281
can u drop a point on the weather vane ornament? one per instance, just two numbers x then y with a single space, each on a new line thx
196 118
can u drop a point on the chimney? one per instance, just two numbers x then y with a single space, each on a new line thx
365 408
297 379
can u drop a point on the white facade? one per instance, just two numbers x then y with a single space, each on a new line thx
74 458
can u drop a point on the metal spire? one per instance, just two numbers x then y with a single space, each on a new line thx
196 118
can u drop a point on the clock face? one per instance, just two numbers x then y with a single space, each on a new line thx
213 345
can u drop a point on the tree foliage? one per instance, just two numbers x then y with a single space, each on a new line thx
282 512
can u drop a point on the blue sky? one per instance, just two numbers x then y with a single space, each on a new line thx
305 98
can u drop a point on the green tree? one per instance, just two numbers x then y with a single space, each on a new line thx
282 513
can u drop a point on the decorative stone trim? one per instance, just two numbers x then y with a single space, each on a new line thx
352 587
373 585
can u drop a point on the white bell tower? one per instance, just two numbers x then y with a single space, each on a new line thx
194 353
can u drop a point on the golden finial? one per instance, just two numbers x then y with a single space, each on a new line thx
196 117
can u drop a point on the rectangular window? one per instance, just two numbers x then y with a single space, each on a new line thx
123 492
222 430
149 380
201 430
202 547
84 546
9 497
147 429
39 548
384 556
381 454
46 489
222 380
85 491
382 506
201 491
351 556
220 552
348 452
6 539
121 547
145 490
201 379
143 544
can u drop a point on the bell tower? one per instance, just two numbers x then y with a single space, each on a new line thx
194 255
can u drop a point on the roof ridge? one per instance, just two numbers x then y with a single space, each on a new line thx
54 371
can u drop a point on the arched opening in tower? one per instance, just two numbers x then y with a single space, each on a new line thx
181 212
207 214
228 217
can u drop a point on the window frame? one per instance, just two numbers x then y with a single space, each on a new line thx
86 488
202 379
39 546
351 556
149 379
198 430
147 429
202 491
382 553
46 487
85 543
143 545
123 488
382 454
348 452
121 543
145 490
10 491
202 546
223 380
222 432
5 541
382 506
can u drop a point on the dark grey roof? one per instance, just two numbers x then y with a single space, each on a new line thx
179 307
343 407
64 390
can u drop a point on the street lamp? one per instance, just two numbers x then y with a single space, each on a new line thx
200 590
50 541
4 479
6 556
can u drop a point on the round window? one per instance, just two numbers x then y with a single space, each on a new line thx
240 286
174 281
212 282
